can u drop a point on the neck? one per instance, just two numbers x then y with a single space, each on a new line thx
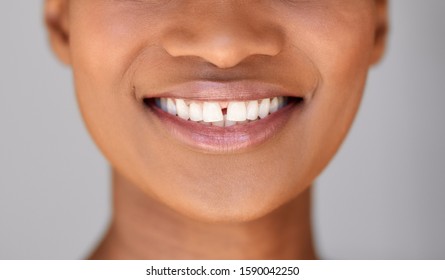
142 228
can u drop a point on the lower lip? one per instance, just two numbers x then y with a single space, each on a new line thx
214 139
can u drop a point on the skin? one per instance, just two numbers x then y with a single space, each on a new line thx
174 202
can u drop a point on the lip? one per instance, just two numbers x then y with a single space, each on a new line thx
225 91
223 140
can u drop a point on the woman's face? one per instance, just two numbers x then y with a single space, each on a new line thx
220 57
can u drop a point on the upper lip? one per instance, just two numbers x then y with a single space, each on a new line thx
224 91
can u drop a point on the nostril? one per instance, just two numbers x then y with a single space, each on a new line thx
224 41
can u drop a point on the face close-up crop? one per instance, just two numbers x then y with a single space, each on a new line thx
222 130
222 110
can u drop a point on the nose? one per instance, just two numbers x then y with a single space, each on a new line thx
223 37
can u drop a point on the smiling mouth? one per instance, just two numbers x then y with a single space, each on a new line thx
217 117
222 113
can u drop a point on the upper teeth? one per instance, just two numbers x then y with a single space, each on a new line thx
211 112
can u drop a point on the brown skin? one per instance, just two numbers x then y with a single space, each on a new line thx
171 201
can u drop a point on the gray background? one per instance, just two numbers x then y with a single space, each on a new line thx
381 198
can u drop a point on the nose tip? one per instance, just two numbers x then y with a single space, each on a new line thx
223 44
222 50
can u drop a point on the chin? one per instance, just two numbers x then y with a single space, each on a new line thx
233 214
229 208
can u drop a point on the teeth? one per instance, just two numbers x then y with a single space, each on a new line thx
220 123
252 110
281 102
228 123
164 104
171 107
195 112
212 112
263 111
183 109
236 111
273 105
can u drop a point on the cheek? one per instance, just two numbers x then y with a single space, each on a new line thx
340 45
106 40
342 50
104 43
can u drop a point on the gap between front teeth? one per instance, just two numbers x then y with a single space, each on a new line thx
237 112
